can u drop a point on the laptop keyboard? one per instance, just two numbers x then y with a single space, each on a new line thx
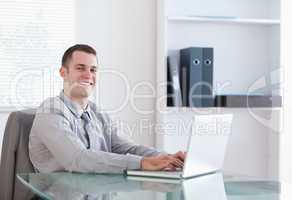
176 170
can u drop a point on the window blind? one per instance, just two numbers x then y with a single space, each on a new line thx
33 36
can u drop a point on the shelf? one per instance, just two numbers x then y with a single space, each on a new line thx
242 101
248 101
176 111
223 19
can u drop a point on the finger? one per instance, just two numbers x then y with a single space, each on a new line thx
177 162
168 165
180 155
170 168
162 165
174 161
185 155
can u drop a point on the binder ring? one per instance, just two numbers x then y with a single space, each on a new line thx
208 62
196 62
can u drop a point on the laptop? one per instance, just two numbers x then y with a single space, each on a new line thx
205 150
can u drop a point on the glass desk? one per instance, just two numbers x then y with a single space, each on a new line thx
116 186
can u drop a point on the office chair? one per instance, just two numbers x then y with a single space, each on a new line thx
15 157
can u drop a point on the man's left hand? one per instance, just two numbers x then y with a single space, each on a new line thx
179 155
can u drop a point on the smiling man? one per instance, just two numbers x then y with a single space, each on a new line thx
69 133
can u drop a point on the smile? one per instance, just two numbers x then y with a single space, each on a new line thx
85 83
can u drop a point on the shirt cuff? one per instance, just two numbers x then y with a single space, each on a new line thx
162 153
133 161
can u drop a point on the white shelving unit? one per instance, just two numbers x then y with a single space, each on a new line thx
245 35
219 19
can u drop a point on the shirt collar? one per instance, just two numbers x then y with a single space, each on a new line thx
74 107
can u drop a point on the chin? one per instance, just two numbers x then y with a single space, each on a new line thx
81 92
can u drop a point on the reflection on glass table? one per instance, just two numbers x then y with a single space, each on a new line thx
115 186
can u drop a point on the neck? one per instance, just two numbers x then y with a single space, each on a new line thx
82 101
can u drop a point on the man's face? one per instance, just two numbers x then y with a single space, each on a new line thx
79 74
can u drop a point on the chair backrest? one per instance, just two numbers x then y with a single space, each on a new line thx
15 157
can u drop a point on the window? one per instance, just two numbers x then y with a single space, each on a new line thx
33 36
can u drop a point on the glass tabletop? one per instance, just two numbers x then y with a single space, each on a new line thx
215 186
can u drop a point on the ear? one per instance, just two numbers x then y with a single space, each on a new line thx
63 71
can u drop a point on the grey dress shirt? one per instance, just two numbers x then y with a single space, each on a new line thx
58 140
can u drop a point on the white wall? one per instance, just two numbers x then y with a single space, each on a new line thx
124 34
286 136
3 119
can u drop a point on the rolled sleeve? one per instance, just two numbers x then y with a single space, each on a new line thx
134 161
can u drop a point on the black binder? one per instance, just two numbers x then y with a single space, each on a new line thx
207 74
196 76
173 85
170 91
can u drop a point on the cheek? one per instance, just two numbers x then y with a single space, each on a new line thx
94 77
72 77
75 75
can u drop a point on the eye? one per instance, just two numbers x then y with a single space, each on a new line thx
93 70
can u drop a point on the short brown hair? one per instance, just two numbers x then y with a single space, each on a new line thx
77 47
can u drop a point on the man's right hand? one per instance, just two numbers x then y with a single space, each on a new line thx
156 163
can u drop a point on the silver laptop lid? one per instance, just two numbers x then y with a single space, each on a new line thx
207 144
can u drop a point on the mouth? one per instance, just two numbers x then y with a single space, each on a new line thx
85 83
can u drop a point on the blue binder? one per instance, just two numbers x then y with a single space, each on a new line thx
196 76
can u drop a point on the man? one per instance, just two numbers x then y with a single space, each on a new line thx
70 134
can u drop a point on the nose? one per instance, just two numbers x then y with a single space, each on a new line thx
87 73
